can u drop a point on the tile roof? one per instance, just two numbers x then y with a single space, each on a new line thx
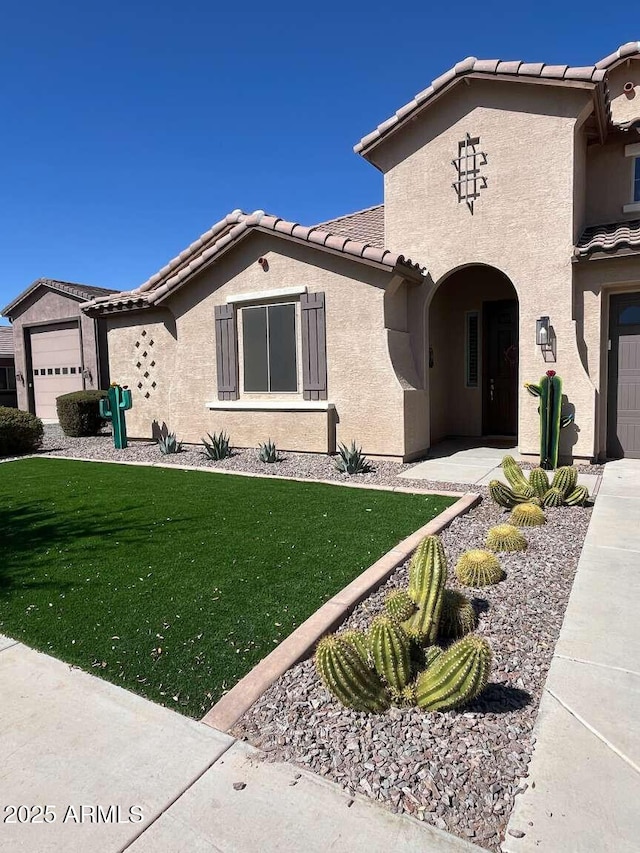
6 341
82 291
366 225
493 67
608 238
229 231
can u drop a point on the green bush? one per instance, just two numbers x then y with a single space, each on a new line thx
20 432
79 412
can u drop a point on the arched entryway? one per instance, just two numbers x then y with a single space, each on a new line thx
473 354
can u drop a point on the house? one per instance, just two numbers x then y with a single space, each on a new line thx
508 244
8 395
57 348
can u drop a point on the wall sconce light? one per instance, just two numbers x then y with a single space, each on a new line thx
546 338
20 378
87 375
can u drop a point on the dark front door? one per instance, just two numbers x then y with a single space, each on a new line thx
623 409
500 370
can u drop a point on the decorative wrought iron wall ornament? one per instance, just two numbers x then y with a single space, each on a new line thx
468 164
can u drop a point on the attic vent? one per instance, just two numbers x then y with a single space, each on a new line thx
468 164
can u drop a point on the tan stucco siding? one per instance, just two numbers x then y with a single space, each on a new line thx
625 106
522 223
610 182
362 384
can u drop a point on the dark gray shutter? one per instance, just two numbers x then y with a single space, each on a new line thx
314 346
226 352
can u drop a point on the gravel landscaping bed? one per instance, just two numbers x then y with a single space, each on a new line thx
457 770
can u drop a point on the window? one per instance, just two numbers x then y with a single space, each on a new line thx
471 349
633 153
269 348
636 180
7 379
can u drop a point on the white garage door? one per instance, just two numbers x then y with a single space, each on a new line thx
56 361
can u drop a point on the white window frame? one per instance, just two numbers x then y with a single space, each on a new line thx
633 153
467 319
296 335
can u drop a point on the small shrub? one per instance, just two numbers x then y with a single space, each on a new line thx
267 452
169 444
20 432
217 447
79 412
351 460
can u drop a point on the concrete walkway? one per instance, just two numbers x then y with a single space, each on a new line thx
584 777
97 756
462 461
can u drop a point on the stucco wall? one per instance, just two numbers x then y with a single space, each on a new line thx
625 106
49 306
362 384
610 181
522 223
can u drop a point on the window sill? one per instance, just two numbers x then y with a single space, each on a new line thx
272 405
632 208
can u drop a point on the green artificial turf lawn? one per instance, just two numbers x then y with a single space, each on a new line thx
173 583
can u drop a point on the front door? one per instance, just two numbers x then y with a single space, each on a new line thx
500 368
623 409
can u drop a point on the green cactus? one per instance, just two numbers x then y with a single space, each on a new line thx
399 605
458 616
456 677
578 497
479 568
565 479
431 654
348 678
505 496
527 515
554 497
357 639
427 577
406 697
515 477
551 421
539 481
389 646
112 408
505 537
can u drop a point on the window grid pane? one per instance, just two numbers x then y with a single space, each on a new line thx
282 348
636 180
471 378
254 347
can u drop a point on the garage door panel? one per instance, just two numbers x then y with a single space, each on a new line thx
56 362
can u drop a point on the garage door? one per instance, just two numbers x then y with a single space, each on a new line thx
624 377
56 362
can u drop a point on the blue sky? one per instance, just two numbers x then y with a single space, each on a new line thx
129 128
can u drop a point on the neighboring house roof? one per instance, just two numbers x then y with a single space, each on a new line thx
83 292
610 238
6 341
227 233
496 68
366 225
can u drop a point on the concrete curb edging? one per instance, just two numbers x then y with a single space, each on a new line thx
298 645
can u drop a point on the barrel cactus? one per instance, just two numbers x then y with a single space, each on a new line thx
348 678
357 639
456 677
399 605
406 697
527 515
431 654
554 497
458 616
578 497
389 646
539 481
505 537
505 496
479 568
427 577
565 479
515 477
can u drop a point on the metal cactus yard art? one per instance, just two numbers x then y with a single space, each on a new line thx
551 421
112 408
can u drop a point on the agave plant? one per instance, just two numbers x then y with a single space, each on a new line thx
267 452
169 444
351 460
217 447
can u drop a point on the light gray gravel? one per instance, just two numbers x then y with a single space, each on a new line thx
459 771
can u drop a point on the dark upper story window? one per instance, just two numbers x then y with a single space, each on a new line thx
269 348
636 179
7 379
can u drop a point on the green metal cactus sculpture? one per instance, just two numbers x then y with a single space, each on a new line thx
348 678
539 481
549 390
456 677
390 648
399 605
427 577
113 408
